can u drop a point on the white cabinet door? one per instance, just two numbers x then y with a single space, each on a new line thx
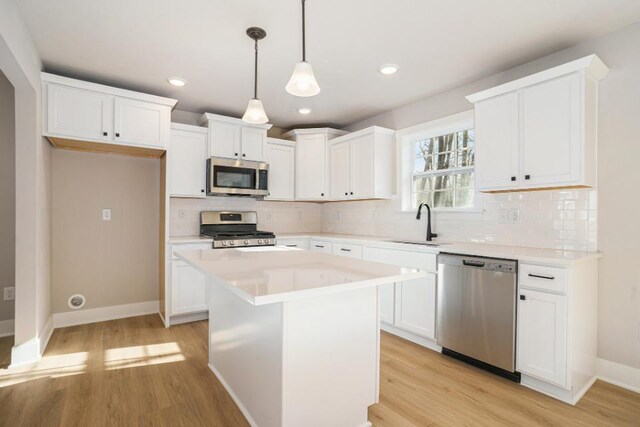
141 123
252 145
188 163
415 306
321 246
339 171
542 336
188 289
281 159
348 250
79 114
224 140
386 295
496 128
300 243
361 179
311 164
551 148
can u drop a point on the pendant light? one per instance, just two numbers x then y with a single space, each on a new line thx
255 111
303 81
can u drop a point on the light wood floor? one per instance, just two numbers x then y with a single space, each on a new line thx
134 372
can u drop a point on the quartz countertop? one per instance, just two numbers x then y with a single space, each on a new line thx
189 239
264 275
519 253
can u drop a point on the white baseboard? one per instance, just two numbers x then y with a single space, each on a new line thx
101 314
186 318
409 336
7 327
617 374
32 350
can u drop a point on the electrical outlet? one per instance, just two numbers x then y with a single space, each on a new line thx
269 216
338 216
181 213
9 293
503 217
106 214
514 215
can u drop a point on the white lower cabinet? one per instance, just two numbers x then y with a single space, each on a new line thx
293 242
542 336
347 249
409 305
415 302
189 289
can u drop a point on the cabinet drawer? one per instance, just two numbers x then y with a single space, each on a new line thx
346 249
187 247
544 278
425 261
293 242
321 246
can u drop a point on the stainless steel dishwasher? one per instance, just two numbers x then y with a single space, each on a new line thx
477 311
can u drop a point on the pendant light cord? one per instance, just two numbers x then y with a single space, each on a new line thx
304 42
255 81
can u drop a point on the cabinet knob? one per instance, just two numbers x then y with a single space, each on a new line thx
523 297
513 178
202 191
244 155
351 193
117 135
322 194
104 133
236 154
527 177
345 194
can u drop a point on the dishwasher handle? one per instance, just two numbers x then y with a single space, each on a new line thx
471 263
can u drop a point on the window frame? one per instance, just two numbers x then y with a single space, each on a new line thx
406 139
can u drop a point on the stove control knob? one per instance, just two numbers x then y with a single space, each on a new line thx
246 242
224 243
259 241
231 242
267 241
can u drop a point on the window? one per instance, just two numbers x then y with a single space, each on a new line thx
442 169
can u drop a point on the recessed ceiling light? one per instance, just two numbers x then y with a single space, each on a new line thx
388 69
304 110
177 81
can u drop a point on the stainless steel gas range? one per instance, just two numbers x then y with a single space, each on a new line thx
234 229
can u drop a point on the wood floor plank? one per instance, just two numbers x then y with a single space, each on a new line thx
135 372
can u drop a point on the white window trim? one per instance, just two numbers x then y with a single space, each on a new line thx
404 145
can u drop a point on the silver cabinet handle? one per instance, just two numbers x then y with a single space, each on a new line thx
319 246
345 250
538 276
291 246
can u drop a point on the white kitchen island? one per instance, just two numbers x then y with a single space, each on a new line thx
294 335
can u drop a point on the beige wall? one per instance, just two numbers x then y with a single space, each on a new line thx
109 262
7 194
618 175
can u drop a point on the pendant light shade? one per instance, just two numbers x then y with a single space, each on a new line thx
303 82
255 113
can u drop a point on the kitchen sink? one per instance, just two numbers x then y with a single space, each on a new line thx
414 242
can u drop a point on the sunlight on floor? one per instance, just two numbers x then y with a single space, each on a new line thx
55 366
142 355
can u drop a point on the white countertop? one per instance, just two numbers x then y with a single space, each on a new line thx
264 275
189 239
519 253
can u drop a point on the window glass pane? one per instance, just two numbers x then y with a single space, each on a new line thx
464 198
423 197
423 147
464 180
423 184
465 158
443 199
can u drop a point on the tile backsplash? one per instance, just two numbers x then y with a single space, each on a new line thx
558 219
279 217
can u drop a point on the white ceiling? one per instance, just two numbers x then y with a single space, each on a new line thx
438 45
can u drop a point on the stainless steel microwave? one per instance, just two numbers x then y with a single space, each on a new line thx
229 177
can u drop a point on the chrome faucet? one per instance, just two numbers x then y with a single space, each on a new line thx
430 235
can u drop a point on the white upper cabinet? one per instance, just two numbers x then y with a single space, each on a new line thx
312 166
79 114
539 131
496 120
280 154
141 123
252 146
339 171
362 165
188 157
89 112
234 139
